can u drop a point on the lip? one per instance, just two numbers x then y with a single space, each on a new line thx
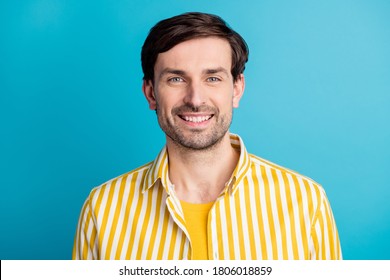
196 120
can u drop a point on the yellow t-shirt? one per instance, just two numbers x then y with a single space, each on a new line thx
196 223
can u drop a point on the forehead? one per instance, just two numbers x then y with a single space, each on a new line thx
196 54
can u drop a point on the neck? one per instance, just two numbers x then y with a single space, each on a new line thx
199 176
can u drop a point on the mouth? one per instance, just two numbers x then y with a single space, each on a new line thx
196 119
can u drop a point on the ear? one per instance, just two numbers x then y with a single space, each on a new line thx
238 91
148 89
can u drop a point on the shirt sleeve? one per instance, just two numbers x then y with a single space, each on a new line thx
85 242
324 239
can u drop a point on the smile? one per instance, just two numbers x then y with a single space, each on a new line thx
196 119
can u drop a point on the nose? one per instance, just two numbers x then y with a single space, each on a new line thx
195 95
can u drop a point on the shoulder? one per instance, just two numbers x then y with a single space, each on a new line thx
128 181
282 176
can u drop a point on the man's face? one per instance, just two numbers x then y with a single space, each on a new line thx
194 93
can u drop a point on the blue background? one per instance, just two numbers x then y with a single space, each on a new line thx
73 114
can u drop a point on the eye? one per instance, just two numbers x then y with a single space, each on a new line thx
175 80
213 79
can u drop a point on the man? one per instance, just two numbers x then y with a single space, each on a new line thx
204 196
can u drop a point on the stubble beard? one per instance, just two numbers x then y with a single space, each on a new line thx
195 139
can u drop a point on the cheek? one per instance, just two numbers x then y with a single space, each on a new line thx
225 100
168 97
164 107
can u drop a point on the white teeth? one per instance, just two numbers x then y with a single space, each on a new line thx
196 119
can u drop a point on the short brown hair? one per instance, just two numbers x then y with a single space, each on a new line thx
170 32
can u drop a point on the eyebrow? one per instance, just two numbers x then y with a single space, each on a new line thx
168 71
216 70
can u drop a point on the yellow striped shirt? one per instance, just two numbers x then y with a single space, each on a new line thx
264 212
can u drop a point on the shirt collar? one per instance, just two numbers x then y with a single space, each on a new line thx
242 166
158 171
